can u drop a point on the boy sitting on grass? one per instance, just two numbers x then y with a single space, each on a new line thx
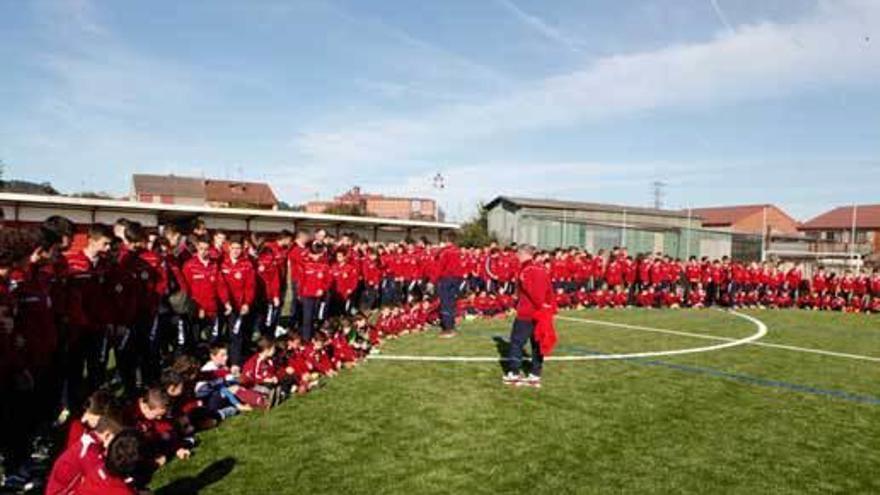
113 475
158 436
218 385
99 404
260 374
87 453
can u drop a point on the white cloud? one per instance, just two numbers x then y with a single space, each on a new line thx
756 61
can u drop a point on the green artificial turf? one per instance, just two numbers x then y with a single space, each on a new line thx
748 419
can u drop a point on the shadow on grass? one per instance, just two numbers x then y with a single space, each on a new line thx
502 345
194 484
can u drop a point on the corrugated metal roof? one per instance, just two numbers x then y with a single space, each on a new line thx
122 206
579 205
866 216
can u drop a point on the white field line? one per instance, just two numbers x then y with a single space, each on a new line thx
761 332
874 359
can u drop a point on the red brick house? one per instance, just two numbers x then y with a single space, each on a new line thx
379 205
173 189
836 226
748 219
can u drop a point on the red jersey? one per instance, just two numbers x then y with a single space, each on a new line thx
535 291
316 279
87 291
449 262
614 274
371 273
296 258
239 282
86 454
268 276
154 277
257 370
202 284
345 279
100 482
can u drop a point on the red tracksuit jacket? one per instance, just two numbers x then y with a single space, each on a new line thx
87 291
239 281
296 258
86 454
345 279
371 273
316 278
449 263
268 277
534 290
201 280
155 280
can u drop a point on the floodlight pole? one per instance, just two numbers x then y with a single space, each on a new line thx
439 183
852 235
764 236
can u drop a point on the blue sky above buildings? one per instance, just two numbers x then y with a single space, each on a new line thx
728 102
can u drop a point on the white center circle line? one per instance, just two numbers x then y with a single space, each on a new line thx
759 334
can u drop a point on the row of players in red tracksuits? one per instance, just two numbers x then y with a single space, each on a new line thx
288 363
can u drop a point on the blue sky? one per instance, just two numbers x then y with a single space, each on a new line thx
729 102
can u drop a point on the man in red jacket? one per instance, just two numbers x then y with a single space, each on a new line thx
297 255
238 277
88 311
371 274
535 293
345 282
451 270
314 283
268 283
201 275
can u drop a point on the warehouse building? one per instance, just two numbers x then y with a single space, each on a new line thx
550 224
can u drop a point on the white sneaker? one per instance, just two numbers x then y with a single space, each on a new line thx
531 381
511 378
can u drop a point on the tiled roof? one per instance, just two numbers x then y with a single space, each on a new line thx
866 216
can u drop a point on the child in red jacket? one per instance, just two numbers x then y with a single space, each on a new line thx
260 372
113 474
83 455
100 403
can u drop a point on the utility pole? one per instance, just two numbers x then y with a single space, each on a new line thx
658 187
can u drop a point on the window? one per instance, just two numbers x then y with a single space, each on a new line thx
416 205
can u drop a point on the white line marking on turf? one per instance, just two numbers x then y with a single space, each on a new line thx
762 331
727 339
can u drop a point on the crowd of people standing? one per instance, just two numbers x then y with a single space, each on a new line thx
187 327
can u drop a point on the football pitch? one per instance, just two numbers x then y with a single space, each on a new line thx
757 402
